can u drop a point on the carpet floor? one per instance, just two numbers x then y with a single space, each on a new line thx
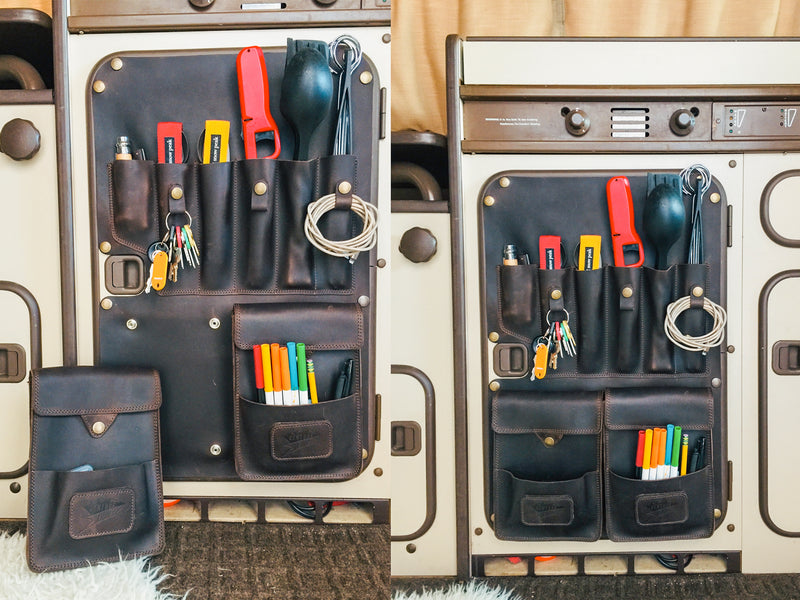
729 586
281 561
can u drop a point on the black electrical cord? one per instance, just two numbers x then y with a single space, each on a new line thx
308 510
672 562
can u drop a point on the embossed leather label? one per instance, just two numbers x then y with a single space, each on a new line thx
547 510
302 440
662 509
104 512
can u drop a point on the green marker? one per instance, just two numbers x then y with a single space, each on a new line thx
302 378
676 451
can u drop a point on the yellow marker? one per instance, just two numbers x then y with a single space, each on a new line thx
312 381
648 445
267 364
589 253
684 453
215 143
159 270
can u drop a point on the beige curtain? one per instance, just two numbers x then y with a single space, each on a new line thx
419 28
46 6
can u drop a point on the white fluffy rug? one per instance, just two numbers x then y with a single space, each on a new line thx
473 590
127 580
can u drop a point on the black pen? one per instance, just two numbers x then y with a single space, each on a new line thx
698 455
343 382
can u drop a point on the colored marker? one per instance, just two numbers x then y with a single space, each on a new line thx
259 373
286 377
295 392
277 379
648 444
668 451
674 471
312 381
662 454
684 453
302 373
654 453
639 454
266 367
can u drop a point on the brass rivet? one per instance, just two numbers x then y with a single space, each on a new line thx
717 513
215 449
716 382
555 294
365 77
345 187
549 441
731 527
98 427
381 263
479 531
697 291
505 182
99 87
731 349
260 188
386 38
214 323
131 324
411 548
715 197
364 453
488 201
105 247
627 292
378 472
176 192
494 336
363 300
732 164
494 386
116 63
106 303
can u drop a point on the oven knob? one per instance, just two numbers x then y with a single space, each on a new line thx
681 122
577 122
20 139
201 3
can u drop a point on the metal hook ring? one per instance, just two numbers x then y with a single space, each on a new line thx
547 316
188 216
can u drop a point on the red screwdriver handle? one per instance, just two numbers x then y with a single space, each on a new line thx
254 100
620 211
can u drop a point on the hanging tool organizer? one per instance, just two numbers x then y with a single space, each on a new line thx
249 274
561 433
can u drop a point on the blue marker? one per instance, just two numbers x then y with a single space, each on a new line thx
295 392
670 434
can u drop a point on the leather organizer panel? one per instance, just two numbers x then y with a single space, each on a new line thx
252 247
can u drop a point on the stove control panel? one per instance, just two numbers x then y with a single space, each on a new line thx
752 120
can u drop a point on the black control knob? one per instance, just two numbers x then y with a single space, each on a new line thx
681 122
20 139
418 245
201 3
577 122
325 2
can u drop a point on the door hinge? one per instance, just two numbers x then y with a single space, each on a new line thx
382 122
730 226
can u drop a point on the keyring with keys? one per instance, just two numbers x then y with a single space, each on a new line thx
552 344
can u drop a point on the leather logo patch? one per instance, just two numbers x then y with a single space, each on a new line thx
93 514
547 510
302 440
662 509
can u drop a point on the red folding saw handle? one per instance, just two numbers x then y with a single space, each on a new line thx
623 233
254 100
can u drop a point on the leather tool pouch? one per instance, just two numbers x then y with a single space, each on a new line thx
106 419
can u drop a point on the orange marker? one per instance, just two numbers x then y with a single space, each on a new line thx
648 444
286 378
277 381
267 370
662 454
654 453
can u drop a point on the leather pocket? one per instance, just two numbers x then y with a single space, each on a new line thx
591 315
546 465
624 323
216 239
93 514
518 301
133 207
659 350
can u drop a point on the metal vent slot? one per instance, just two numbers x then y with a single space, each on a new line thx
630 122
